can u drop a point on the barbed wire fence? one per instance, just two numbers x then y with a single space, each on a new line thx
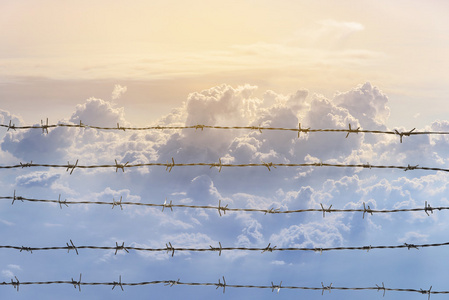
223 285
45 126
223 209
170 249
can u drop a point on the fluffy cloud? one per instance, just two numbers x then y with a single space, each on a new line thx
37 179
281 188
98 112
118 91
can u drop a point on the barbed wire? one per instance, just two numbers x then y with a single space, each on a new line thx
223 209
170 165
170 249
401 134
221 285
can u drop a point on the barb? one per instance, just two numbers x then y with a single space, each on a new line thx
26 165
410 246
44 127
273 211
259 128
401 134
172 282
170 165
170 249
427 292
223 209
60 203
13 126
77 283
122 247
352 130
120 166
167 205
325 210
268 165
306 130
72 167
16 283
268 248
27 249
14 198
381 288
224 285
325 288
366 210
120 128
117 203
119 283
219 165
217 249
70 247
276 287
199 127
427 207
410 168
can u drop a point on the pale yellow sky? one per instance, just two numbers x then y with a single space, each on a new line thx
324 46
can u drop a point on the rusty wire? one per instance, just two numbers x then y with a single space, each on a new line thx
223 209
223 285
170 249
259 128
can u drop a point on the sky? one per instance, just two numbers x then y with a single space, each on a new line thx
377 65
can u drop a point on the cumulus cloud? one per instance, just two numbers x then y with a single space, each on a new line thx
118 91
98 112
314 235
282 188
366 103
37 179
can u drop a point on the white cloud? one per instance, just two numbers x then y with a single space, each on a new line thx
37 179
313 235
283 188
118 91
413 237
8 274
98 112
11 271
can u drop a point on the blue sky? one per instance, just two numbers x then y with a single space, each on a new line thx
341 74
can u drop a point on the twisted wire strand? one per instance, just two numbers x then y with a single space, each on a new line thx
202 127
365 210
169 248
170 165
224 285
350 129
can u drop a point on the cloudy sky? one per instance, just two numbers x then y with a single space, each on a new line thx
378 65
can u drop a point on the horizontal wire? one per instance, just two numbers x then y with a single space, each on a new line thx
365 210
169 248
46 126
170 165
222 284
